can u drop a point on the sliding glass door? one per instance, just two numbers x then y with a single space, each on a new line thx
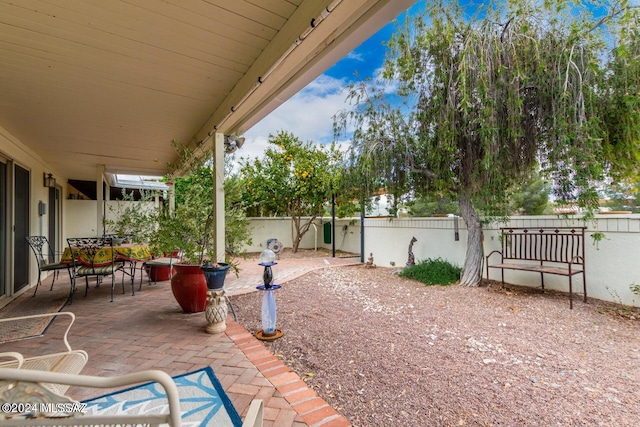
3 227
15 196
21 228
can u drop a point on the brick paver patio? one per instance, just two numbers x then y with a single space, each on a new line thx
150 331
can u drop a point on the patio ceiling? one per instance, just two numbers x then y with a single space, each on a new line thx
94 82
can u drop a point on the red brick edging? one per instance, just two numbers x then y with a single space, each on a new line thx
313 409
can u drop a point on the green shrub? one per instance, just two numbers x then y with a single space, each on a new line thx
433 272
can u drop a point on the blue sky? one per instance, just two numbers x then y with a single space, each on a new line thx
308 114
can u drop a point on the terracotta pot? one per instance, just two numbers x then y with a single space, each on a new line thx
158 273
189 287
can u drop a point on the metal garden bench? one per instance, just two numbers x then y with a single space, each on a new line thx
550 250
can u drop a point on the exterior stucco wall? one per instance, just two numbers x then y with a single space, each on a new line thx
81 218
20 155
16 153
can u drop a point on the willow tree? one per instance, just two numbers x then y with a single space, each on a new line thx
483 101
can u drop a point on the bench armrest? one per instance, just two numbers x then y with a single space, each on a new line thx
577 260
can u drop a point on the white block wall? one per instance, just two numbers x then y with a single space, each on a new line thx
263 229
611 266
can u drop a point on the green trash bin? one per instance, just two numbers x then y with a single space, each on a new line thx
327 232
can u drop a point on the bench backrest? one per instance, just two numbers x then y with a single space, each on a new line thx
552 244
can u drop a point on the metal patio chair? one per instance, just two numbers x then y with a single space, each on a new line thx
88 259
46 259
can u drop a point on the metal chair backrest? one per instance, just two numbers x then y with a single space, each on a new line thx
108 238
87 245
41 249
80 242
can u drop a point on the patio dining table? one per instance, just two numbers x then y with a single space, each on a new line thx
131 254
127 252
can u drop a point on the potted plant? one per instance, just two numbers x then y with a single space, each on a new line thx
189 230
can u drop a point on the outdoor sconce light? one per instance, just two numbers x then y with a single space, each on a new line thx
232 143
269 331
49 180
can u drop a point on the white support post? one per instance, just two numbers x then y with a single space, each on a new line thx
172 197
218 195
99 200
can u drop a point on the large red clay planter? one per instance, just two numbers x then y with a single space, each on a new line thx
158 273
189 287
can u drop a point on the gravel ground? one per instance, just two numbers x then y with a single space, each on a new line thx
386 351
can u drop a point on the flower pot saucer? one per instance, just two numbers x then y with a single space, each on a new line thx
269 337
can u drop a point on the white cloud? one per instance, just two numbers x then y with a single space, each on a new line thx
355 56
307 115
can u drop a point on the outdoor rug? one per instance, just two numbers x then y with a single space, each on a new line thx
26 304
203 401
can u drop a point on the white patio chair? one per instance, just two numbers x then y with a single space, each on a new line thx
26 387
68 362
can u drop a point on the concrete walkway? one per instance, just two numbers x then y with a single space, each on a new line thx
150 331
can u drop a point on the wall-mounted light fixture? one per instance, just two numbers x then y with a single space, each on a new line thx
48 180
232 143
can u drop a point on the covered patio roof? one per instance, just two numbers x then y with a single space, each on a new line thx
88 83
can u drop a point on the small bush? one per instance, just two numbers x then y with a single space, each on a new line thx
433 272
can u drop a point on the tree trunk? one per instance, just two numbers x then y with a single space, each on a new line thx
298 230
296 242
295 233
472 269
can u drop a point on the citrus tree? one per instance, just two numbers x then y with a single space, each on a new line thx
483 101
293 178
